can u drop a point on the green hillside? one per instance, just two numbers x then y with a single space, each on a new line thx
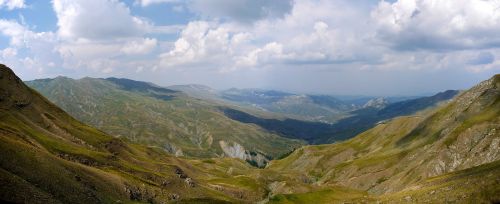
451 154
461 136
49 157
161 117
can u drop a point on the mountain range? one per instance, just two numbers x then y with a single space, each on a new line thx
447 152
152 115
176 117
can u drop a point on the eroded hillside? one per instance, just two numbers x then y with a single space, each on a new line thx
152 115
403 152
450 154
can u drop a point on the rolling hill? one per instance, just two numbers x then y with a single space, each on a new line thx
449 154
152 115
414 157
359 121
316 108
49 157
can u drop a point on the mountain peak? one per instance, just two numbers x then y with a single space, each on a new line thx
13 92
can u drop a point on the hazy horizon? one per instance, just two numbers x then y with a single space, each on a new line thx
317 92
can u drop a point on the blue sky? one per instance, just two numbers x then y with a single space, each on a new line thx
365 47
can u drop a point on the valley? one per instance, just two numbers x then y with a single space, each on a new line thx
250 102
50 157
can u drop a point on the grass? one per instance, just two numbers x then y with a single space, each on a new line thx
488 115
330 195
31 166
183 122
474 185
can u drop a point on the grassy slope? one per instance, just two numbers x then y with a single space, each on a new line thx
474 185
195 126
49 157
409 150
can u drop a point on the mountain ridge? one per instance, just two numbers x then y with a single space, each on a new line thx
49 157
407 150
158 116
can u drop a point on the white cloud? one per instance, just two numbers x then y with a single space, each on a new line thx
296 39
8 53
12 4
39 45
143 46
145 3
201 42
441 25
15 31
97 20
271 52
301 37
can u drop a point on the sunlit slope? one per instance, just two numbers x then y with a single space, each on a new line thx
473 185
161 117
408 150
46 156
451 154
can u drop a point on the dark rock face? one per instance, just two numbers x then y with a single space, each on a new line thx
140 194
180 173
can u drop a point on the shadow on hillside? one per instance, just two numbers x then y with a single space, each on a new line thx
322 133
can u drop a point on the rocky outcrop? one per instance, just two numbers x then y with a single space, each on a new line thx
172 149
459 135
238 151
234 151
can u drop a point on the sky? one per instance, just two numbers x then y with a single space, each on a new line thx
344 47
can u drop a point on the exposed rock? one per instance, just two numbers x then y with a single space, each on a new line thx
238 151
140 193
233 151
190 182
133 192
172 149
174 196
165 183
180 173
377 103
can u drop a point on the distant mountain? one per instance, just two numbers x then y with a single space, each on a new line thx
376 103
376 112
358 121
149 114
46 156
318 108
197 91
450 154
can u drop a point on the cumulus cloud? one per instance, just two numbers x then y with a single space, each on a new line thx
15 31
12 4
203 42
28 51
8 53
145 3
296 38
143 46
438 25
97 20
300 37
